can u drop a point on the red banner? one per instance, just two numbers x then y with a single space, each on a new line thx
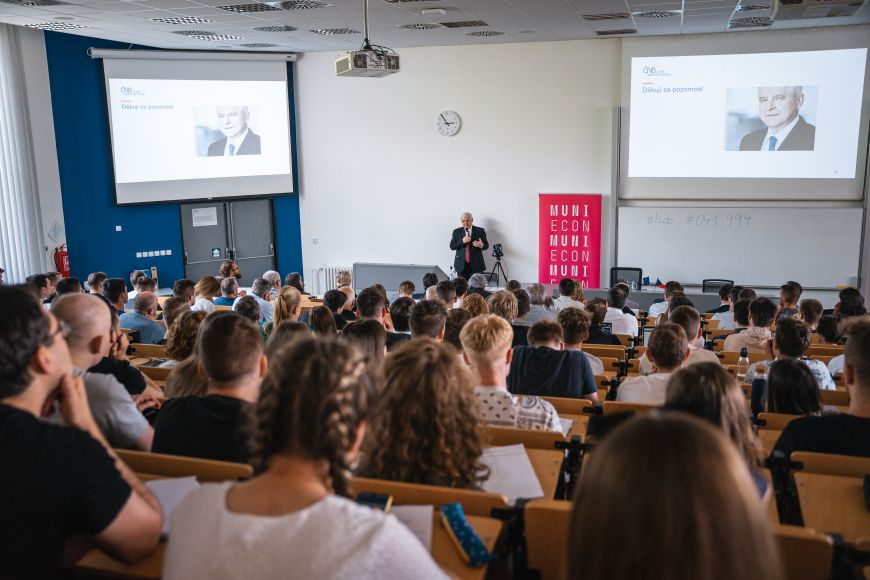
570 238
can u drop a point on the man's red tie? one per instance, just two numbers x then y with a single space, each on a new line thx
468 253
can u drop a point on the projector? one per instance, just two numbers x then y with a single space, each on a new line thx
366 63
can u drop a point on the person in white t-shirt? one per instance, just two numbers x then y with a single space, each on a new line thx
575 329
293 520
205 291
486 345
567 288
659 307
668 350
621 323
690 320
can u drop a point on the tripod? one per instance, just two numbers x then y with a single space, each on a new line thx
495 272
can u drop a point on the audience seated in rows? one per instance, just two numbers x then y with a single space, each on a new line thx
475 304
185 289
407 289
456 321
724 300
844 433
789 298
445 293
486 343
95 282
761 314
229 292
117 364
274 280
181 337
348 309
575 325
667 351
286 306
428 319
631 308
295 280
294 515
598 333
322 321
261 290
708 391
505 305
141 283
546 369
658 308
690 321
663 472
620 322
204 293
542 306
229 269
143 319
810 311
211 426
371 305
424 428
519 323
677 299
115 289
68 286
59 481
726 317
792 388
477 285
791 340
370 337
851 304
400 314
460 284
89 341
565 299
41 285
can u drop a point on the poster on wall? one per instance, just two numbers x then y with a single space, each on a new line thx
569 233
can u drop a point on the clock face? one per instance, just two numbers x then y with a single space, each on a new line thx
448 123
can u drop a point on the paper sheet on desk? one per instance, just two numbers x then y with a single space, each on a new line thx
170 492
566 425
418 519
511 473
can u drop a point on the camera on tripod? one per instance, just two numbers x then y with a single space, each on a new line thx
497 251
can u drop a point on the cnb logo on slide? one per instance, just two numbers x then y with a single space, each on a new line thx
652 71
130 92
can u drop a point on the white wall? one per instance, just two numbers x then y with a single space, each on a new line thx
41 123
378 184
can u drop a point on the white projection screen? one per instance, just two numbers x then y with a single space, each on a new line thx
185 130
699 126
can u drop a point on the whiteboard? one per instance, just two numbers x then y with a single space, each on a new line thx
818 247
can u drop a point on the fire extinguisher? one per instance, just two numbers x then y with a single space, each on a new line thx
61 260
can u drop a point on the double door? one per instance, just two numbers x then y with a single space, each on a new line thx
239 230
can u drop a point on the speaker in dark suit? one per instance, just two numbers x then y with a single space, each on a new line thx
779 108
469 242
802 137
233 123
250 146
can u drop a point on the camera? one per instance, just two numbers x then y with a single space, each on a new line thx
497 251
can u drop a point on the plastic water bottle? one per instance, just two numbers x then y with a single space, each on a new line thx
742 365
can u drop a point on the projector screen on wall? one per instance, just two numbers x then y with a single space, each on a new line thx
767 125
186 130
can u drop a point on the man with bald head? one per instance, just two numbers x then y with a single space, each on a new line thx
469 243
90 326
143 319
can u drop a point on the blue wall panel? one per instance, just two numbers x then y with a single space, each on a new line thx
85 163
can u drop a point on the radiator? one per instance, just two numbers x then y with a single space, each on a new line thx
323 279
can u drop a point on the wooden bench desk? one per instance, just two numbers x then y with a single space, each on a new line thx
832 503
546 464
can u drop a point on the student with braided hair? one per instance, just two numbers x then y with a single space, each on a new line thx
292 520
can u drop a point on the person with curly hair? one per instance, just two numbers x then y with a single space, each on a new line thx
293 519
425 427
181 338
475 304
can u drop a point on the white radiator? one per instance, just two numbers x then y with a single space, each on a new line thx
323 279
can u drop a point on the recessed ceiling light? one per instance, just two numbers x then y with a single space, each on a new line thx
334 31
484 33
420 26
55 26
426 11
656 14
464 23
276 28
258 45
182 20
63 18
608 16
248 8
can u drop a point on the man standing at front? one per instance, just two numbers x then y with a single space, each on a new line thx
786 129
468 242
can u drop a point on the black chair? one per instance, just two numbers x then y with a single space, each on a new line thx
713 284
628 274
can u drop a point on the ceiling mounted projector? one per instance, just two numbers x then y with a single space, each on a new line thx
370 60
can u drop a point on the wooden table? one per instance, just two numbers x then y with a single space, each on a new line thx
581 422
546 464
831 503
444 552
768 439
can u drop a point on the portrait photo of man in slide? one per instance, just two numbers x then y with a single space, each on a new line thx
238 137
785 128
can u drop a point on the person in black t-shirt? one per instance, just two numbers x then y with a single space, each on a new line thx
211 427
597 308
544 369
57 481
371 305
847 433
